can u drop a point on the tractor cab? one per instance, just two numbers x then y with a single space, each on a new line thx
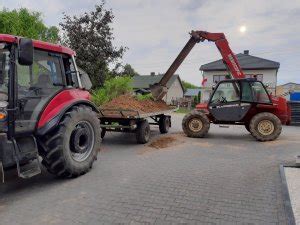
39 85
233 99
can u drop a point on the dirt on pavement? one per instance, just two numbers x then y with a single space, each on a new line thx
129 102
162 142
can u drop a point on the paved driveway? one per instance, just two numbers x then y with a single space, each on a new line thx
225 178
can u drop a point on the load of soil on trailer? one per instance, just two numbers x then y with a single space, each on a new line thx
129 102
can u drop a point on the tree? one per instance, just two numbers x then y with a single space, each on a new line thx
90 35
187 85
129 71
25 23
120 70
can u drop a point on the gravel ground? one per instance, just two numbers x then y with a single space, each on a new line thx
293 181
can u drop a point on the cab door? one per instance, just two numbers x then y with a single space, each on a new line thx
225 103
37 84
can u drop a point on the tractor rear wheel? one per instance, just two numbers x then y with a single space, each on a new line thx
265 126
71 148
195 124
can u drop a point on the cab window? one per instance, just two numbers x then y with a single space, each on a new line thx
226 92
37 84
260 94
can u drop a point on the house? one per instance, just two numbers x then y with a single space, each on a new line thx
263 69
291 91
174 85
191 93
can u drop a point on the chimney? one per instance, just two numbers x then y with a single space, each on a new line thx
152 73
246 52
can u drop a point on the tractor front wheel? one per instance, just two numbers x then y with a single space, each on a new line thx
195 124
265 126
71 148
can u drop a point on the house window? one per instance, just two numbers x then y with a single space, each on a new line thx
218 78
259 77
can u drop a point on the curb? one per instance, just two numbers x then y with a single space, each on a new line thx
286 197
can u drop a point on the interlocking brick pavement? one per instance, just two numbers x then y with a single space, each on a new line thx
226 178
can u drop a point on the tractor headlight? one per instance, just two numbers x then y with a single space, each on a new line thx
3 112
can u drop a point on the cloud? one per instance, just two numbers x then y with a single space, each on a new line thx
155 31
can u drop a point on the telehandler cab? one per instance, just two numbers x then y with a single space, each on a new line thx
45 110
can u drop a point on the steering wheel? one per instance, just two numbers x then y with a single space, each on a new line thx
224 100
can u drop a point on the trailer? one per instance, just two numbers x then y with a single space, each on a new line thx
132 121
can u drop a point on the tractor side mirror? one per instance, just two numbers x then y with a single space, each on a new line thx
25 52
86 81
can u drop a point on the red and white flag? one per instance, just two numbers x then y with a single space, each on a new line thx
203 82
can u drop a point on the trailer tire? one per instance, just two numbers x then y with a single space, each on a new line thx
103 132
143 132
164 124
265 126
71 149
200 127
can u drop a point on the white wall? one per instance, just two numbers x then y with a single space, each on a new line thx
174 92
269 79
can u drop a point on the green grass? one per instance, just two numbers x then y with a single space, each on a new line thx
183 110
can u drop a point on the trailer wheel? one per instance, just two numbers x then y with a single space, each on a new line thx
71 149
143 132
103 132
164 124
195 124
265 126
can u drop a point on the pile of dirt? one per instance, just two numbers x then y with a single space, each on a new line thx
163 142
129 102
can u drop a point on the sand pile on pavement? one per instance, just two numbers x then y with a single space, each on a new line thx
129 102
163 142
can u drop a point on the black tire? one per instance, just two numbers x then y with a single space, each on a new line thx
247 126
164 124
143 132
198 118
103 132
77 134
265 126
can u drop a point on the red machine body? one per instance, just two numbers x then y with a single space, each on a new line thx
279 105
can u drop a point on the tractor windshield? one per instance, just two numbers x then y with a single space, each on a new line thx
4 67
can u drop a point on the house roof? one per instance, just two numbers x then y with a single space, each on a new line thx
192 91
247 62
288 84
144 81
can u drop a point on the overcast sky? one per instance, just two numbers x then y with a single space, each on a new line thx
156 30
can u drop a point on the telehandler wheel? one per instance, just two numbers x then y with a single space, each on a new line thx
265 126
247 126
195 124
143 132
164 124
71 149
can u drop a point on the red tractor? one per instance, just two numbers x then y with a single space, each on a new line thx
237 101
45 110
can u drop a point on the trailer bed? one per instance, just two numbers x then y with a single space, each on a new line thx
133 121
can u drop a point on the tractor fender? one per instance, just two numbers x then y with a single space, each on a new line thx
55 120
58 106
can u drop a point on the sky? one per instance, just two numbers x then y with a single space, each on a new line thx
156 30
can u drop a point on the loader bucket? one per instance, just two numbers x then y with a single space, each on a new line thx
158 91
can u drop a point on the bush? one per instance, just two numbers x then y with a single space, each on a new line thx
111 89
144 97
